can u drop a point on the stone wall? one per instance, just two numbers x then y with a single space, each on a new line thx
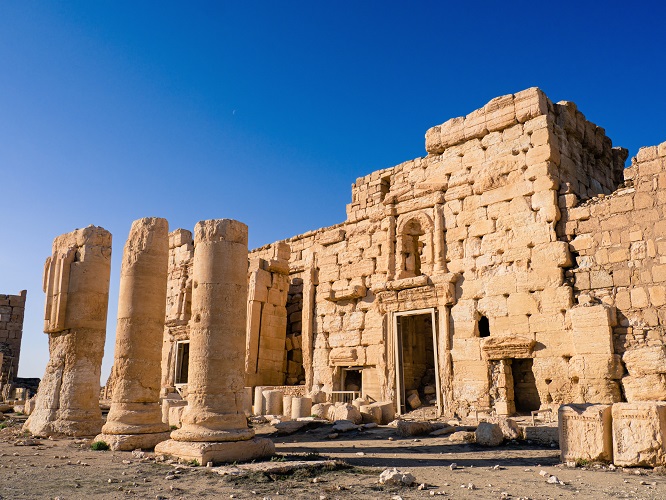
12 308
620 249
505 261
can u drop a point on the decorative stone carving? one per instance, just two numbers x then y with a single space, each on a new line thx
585 432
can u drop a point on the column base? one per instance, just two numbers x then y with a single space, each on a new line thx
129 442
218 452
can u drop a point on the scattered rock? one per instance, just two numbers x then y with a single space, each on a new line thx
443 431
462 437
396 477
409 428
488 434
509 427
414 401
344 426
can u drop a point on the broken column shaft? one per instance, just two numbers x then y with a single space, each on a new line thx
76 282
214 427
135 417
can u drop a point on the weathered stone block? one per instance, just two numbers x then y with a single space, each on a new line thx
592 332
639 434
585 432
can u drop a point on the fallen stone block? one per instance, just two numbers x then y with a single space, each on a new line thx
585 432
409 428
396 477
488 434
639 434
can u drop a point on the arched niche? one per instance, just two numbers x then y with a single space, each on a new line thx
414 246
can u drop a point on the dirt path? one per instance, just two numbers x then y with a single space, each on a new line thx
69 469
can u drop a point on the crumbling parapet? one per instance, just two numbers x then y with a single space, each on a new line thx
76 282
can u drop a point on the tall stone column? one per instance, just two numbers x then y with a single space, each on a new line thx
135 417
76 282
214 427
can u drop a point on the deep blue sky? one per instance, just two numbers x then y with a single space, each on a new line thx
266 112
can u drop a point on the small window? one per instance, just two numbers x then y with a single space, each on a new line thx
182 361
484 327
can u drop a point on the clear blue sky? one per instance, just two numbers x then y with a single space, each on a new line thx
266 112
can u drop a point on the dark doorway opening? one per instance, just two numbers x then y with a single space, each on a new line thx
417 361
525 394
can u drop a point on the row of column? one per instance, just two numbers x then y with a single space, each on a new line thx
77 283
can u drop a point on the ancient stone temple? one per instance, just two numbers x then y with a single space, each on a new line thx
515 267
76 282
12 309
135 416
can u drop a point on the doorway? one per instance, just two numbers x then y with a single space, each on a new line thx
525 393
417 373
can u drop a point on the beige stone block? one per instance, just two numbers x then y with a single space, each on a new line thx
481 227
500 113
592 332
347 338
554 253
623 300
585 432
501 284
466 349
539 279
657 295
645 360
522 303
506 193
493 306
622 277
659 273
517 325
639 434
596 366
582 242
544 153
475 124
639 298
645 387
530 104
551 343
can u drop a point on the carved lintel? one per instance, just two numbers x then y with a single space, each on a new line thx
496 348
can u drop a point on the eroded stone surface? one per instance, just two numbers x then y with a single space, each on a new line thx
586 432
76 282
135 416
639 434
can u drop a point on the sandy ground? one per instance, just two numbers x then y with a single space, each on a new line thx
69 469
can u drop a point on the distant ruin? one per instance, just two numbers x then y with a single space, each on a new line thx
12 310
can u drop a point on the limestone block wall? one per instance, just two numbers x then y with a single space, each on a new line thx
620 251
266 360
12 308
178 302
483 206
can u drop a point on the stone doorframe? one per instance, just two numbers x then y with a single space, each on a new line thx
397 344
406 296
